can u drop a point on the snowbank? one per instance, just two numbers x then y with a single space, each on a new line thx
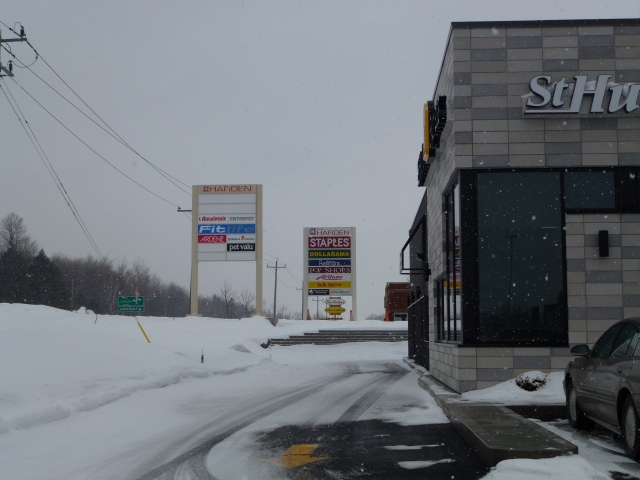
508 393
56 363
558 468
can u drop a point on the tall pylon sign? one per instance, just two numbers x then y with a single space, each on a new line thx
330 264
226 227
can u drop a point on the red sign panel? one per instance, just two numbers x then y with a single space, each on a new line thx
212 239
329 242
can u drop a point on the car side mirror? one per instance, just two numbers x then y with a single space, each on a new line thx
580 350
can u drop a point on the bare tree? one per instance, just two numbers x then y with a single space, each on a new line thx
247 298
13 234
284 312
228 297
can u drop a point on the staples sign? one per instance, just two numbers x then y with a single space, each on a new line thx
329 242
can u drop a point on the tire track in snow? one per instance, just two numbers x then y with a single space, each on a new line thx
191 464
370 397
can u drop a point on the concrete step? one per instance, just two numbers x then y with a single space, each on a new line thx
355 334
346 331
348 336
324 342
333 337
495 431
500 434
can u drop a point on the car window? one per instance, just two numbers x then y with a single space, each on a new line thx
632 344
602 348
621 345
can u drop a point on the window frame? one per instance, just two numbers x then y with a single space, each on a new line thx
445 333
615 345
619 326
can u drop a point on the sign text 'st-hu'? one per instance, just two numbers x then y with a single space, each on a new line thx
553 96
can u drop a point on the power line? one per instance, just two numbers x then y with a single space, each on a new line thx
50 169
90 148
113 133
286 284
110 131
292 276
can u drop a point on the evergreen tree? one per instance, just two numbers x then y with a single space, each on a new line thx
44 283
13 276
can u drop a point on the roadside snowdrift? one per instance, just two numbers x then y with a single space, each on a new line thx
56 363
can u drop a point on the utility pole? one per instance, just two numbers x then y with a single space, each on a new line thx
8 72
275 286
317 300
302 307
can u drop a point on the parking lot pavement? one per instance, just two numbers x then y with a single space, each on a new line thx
370 449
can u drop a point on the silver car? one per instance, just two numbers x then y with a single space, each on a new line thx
603 385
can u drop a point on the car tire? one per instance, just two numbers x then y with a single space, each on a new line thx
575 415
630 426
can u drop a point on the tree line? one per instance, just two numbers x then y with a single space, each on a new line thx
28 275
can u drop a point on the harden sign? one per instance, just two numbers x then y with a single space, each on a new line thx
329 242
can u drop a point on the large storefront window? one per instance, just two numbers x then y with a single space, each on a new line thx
521 294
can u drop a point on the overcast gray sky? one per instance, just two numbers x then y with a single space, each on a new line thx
321 102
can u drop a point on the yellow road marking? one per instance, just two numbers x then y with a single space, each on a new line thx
297 455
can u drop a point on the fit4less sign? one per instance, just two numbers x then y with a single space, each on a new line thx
581 97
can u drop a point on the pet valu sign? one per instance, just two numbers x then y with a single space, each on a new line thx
599 96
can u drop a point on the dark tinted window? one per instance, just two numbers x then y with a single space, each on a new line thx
520 267
589 190
622 343
632 344
603 346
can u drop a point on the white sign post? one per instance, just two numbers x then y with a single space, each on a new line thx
226 227
329 264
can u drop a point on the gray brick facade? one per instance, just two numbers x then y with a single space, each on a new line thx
485 74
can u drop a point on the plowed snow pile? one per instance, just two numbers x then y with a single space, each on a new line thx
56 363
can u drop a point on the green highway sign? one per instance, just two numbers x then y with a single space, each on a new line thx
131 304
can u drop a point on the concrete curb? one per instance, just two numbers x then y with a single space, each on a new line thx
495 431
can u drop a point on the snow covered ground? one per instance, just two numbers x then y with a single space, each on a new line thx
58 363
86 397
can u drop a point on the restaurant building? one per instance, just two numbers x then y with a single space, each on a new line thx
527 239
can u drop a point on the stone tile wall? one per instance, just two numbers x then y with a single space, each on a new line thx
492 70
601 291
484 75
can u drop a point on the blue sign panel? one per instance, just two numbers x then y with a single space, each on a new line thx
233 228
329 263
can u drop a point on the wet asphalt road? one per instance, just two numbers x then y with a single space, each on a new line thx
317 443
